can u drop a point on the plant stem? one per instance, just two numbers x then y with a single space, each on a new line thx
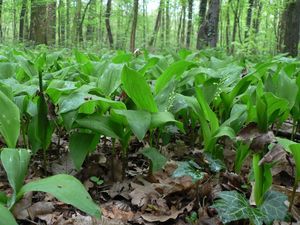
294 130
258 177
124 161
293 195
113 155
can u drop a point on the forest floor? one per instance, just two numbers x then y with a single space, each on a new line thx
143 198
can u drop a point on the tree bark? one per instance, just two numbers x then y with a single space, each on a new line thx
51 22
1 33
202 12
168 22
22 20
179 27
107 23
157 24
290 28
82 20
38 25
68 26
190 20
90 30
183 24
213 23
134 24
249 18
235 23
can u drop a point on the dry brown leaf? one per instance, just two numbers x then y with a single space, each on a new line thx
117 210
20 208
40 208
173 214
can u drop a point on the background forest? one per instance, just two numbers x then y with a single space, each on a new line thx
268 26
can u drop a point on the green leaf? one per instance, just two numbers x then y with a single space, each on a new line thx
15 163
162 118
274 206
189 168
6 217
295 148
110 79
101 124
139 121
7 70
157 159
241 154
9 121
80 145
176 69
233 206
285 143
138 90
66 189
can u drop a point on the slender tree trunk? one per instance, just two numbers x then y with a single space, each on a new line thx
202 12
22 20
68 24
179 27
134 24
14 20
51 22
82 20
163 26
100 29
182 39
235 22
157 24
38 25
168 23
190 25
249 18
144 24
90 30
290 27
227 30
1 32
107 23
256 21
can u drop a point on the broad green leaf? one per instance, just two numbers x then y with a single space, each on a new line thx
67 189
215 164
139 121
285 143
190 169
138 90
162 118
9 121
101 124
157 159
110 80
7 70
295 148
274 206
232 206
7 217
241 154
176 69
15 163
80 145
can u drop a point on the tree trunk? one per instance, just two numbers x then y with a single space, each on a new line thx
256 20
157 24
107 23
1 6
235 22
144 24
189 28
183 24
291 26
51 22
213 22
134 24
179 27
22 20
249 18
90 30
202 12
228 28
82 20
163 26
14 20
168 23
100 29
38 25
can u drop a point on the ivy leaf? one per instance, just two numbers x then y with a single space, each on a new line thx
273 206
189 168
233 206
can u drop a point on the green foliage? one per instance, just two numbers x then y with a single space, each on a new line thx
189 168
233 206
156 158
